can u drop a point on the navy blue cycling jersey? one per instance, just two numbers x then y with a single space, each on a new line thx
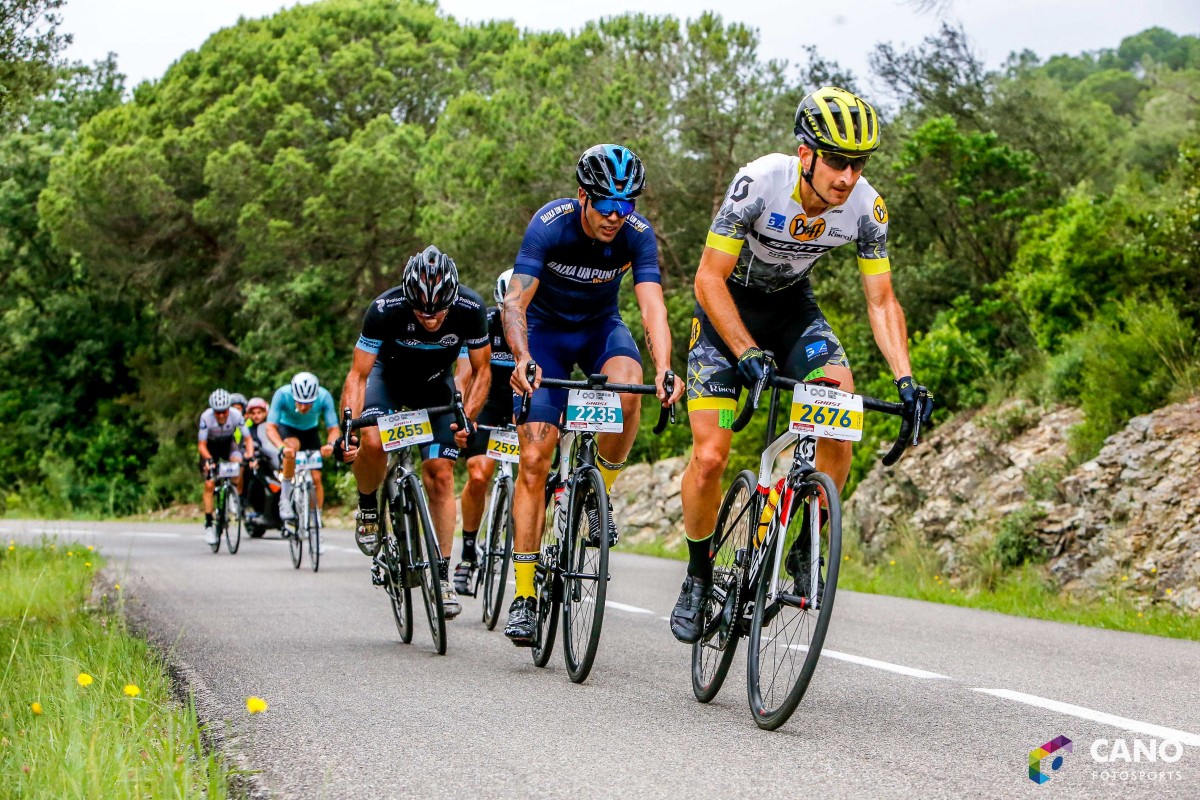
579 276
408 352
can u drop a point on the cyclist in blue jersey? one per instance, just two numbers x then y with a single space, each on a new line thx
293 424
561 311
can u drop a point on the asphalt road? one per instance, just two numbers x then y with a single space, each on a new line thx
910 700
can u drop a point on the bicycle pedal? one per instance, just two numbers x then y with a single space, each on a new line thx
377 578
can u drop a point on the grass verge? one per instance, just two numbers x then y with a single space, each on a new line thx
912 569
88 710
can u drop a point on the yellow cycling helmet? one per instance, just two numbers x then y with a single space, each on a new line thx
837 121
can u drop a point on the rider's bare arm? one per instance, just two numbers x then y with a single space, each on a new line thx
480 382
887 322
658 332
521 290
355 386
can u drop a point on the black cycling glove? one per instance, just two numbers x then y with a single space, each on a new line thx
752 366
339 447
909 391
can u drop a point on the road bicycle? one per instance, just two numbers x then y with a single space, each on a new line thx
411 556
497 544
762 586
572 573
228 506
306 526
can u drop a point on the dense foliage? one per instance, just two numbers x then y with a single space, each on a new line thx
227 224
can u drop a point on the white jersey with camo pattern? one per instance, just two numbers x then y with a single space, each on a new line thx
211 430
762 209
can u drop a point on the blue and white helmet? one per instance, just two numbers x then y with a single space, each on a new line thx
304 387
218 401
610 171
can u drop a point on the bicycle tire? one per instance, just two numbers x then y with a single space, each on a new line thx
393 576
314 537
585 587
548 584
299 526
496 553
775 707
218 518
427 552
233 526
713 653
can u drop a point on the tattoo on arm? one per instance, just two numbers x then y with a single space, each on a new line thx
516 329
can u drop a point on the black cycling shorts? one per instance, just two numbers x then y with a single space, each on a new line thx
387 394
490 415
788 323
221 450
309 438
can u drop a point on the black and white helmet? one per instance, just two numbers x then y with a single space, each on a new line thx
430 281
218 401
237 399
502 285
304 387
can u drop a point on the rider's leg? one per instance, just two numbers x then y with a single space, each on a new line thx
479 474
318 488
613 448
209 486
290 445
833 457
701 486
438 477
237 456
538 440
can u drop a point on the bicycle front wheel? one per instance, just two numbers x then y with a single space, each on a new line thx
585 584
314 537
547 581
393 575
426 556
497 549
713 653
300 526
233 520
788 630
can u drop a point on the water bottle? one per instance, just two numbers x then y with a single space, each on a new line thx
764 521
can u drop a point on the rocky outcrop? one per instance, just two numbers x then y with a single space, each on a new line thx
645 502
1131 515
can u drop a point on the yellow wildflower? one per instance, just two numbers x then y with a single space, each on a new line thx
36 708
87 563
83 679
256 705
132 690
91 548
892 562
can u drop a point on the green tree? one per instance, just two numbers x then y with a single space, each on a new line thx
29 47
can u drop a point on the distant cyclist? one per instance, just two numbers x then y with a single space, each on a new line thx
780 214
561 311
411 336
299 411
266 461
497 411
216 442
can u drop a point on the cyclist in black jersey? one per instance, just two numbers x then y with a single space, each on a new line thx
411 336
497 411
780 214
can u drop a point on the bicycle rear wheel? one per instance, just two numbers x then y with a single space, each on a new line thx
548 583
788 631
393 575
300 525
425 558
585 583
713 653
233 520
314 537
497 549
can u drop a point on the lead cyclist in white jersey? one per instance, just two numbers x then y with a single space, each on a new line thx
780 215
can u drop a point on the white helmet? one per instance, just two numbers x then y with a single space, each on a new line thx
219 400
304 387
502 285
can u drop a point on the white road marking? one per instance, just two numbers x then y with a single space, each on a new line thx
61 530
1124 723
911 672
623 607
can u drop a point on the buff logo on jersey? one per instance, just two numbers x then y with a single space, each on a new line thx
805 231
880 211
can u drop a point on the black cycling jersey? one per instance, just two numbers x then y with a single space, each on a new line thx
410 354
500 395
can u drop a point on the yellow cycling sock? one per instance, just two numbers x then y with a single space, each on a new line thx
525 567
608 471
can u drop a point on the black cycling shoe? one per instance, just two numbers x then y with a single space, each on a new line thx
593 537
522 621
366 532
464 575
797 564
687 618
